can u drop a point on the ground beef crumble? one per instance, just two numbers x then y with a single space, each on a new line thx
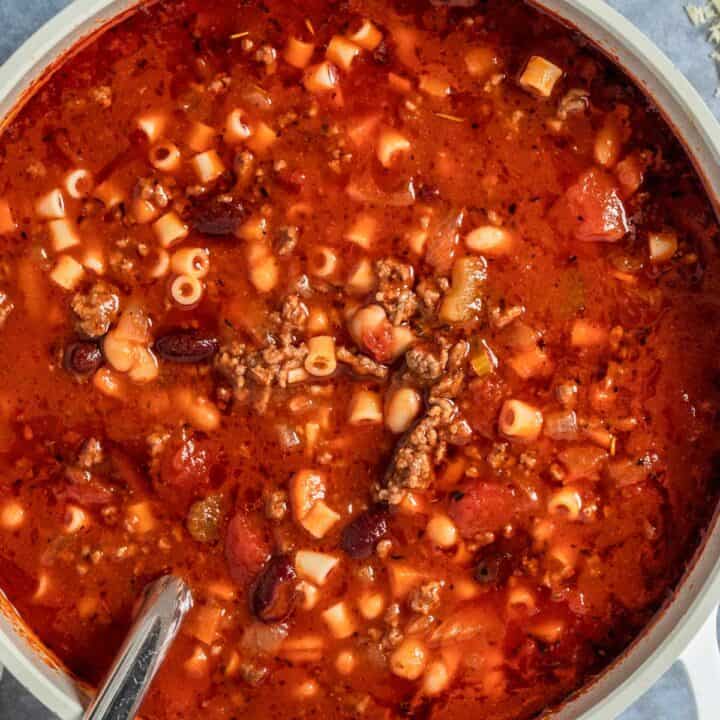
247 368
97 309
394 293
362 364
424 446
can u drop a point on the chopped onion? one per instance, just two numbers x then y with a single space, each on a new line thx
363 188
263 639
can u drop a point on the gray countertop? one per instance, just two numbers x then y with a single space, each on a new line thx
665 22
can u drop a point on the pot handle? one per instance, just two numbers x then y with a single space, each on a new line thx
701 659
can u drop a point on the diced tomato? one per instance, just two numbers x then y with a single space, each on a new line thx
484 507
185 472
377 340
595 203
246 550
486 397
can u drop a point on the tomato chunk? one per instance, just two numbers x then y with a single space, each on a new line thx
246 551
596 204
484 507
185 472
378 341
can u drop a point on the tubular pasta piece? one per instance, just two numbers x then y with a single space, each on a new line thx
321 78
79 183
153 125
339 620
566 502
391 144
298 53
362 278
67 272
367 36
161 266
51 206
363 231
540 76
170 229
186 290
342 52
191 261
165 157
63 234
321 360
315 566
365 408
208 166
319 519
109 194
201 137
143 211
93 259
323 262
262 138
520 421
236 129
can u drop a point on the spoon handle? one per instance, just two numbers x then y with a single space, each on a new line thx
165 603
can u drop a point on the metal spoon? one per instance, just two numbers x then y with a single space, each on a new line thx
165 603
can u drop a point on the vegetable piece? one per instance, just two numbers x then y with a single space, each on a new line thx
245 549
442 241
464 300
204 518
483 360
484 507
595 203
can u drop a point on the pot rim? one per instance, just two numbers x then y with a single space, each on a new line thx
698 592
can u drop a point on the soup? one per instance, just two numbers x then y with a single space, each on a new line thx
390 327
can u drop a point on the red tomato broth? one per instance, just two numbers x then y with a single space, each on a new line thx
490 556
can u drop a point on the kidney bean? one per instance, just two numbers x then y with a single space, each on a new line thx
184 346
363 533
273 595
82 357
216 217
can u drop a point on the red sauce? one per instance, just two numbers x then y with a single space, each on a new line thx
391 327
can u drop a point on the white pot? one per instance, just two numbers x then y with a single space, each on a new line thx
699 593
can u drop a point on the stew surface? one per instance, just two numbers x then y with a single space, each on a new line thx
392 327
